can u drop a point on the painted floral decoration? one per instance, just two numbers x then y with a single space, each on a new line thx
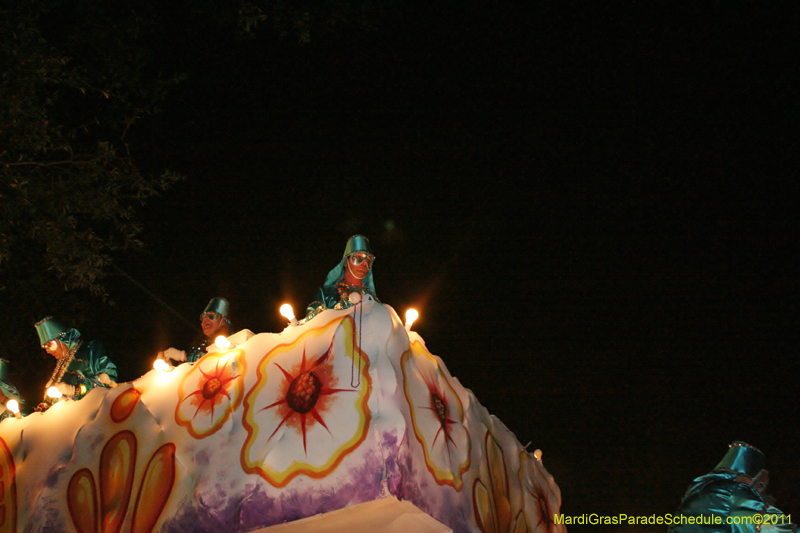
8 490
100 503
301 387
436 415
210 392
541 495
124 404
491 497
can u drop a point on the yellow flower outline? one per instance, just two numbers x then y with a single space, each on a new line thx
215 379
272 383
438 398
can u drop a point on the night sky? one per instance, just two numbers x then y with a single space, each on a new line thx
592 206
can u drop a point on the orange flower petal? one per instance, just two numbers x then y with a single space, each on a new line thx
82 501
521 525
482 506
117 464
123 406
159 477
497 470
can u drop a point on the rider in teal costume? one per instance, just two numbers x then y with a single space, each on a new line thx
89 367
352 274
214 321
735 492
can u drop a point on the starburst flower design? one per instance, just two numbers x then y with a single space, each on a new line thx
314 391
437 416
306 394
210 391
491 500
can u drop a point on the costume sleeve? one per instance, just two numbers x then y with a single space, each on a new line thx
749 509
99 363
317 304
708 497
727 506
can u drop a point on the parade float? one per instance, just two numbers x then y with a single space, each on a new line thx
345 421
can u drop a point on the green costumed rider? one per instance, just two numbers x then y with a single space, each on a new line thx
10 400
352 276
731 498
82 366
214 322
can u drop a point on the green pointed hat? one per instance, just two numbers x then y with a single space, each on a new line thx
744 458
49 329
219 306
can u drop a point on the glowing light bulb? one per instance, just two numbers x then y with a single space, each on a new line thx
54 393
161 365
411 316
538 455
222 342
287 311
13 406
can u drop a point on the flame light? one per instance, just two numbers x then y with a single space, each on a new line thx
411 316
222 342
287 311
161 365
54 393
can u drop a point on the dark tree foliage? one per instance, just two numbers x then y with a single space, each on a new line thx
72 85
77 75
75 79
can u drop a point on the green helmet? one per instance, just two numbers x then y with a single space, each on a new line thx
744 458
218 305
357 243
49 329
